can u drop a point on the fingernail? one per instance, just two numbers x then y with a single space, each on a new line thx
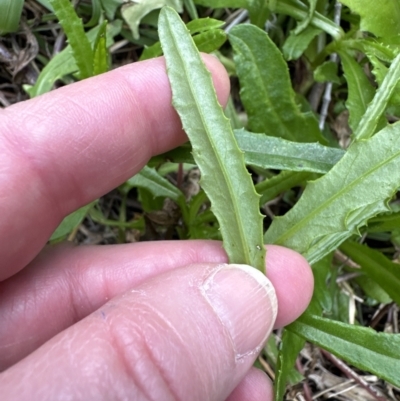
245 303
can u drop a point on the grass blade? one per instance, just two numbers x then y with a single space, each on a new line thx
269 152
378 353
266 89
73 28
336 205
224 175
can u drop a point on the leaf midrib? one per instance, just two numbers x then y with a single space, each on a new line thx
216 154
322 206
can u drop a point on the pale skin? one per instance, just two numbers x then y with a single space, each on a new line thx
146 321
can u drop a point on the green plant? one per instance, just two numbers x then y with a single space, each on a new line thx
331 192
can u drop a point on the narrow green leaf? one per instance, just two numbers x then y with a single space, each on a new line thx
224 176
322 301
275 153
371 46
376 108
204 24
382 20
10 15
266 90
258 12
272 187
70 222
73 28
373 290
159 186
296 44
290 347
64 63
360 90
135 11
45 3
302 25
333 207
191 9
379 268
386 222
110 7
101 56
378 353
96 14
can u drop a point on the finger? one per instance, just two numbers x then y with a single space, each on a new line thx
67 148
190 333
65 284
256 386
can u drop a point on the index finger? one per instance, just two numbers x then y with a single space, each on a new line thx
66 148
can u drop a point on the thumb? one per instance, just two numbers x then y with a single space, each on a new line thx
188 334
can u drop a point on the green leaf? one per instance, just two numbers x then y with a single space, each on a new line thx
323 296
225 179
296 44
382 19
45 3
272 187
266 90
10 15
64 63
386 222
378 353
159 186
73 28
376 108
294 8
100 53
373 290
135 11
258 12
223 3
379 268
333 207
70 222
360 90
302 25
275 153
208 39
204 24
110 7
328 72
290 347
191 9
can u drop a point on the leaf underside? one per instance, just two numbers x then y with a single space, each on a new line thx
224 175
334 206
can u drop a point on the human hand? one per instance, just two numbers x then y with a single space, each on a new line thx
146 321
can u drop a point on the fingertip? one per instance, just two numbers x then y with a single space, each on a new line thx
293 280
256 386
